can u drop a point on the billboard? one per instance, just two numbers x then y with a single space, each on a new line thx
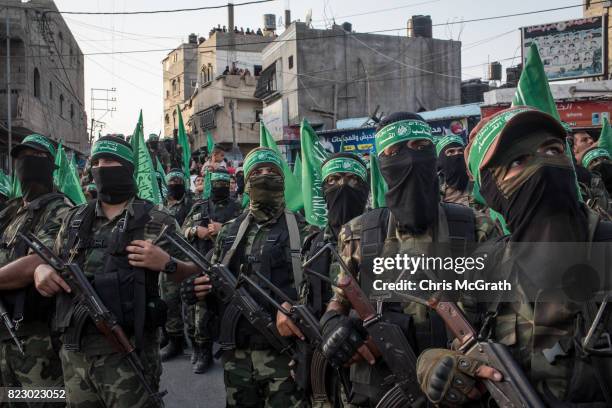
569 49
358 140
446 127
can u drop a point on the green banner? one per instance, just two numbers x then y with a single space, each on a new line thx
293 196
377 184
66 177
183 141
144 175
313 156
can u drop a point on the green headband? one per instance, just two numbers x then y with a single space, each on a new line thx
594 154
219 177
112 148
411 129
446 140
344 165
41 140
174 174
4 189
91 187
485 138
260 156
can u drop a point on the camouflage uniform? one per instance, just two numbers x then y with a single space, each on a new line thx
349 246
170 290
452 195
199 317
260 376
40 367
97 375
596 196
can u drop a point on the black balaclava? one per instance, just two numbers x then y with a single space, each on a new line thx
540 204
410 174
220 191
115 184
35 175
239 183
176 191
453 169
154 145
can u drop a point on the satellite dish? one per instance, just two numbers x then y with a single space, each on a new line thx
308 17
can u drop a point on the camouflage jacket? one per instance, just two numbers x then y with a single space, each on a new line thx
180 209
195 219
93 258
596 197
252 244
16 217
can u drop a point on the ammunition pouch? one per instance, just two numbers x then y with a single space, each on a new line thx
301 365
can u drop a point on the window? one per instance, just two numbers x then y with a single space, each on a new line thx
71 112
174 86
36 83
60 43
290 61
167 119
258 115
61 106
174 119
256 70
174 57
194 83
50 91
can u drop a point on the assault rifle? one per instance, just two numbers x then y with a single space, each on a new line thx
388 339
514 391
227 290
309 326
11 327
103 318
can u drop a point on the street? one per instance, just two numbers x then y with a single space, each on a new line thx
188 390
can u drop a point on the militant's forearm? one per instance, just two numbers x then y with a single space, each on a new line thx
19 273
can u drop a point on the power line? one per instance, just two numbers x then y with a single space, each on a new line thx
517 14
341 34
114 13
380 10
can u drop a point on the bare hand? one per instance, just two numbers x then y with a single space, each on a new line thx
143 254
48 282
214 228
202 232
285 325
202 286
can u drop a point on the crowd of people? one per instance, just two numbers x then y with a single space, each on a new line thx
522 177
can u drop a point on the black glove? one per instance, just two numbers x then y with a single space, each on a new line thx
342 336
188 295
446 377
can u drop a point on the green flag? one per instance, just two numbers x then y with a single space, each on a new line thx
533 89
377 183
183 141
207 185
297 170
5 184
605 137
313 156
66 177
293 196
144 175
161 177
210 142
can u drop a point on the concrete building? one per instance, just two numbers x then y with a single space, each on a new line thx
180 80
46 77
602 8
228 67
328 75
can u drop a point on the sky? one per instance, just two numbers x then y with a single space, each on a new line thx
137 77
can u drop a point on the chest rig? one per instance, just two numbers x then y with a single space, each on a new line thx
25 304
127 291
268 256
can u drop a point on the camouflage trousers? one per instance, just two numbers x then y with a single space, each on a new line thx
258 379
199 319
170 293
40 367
99 381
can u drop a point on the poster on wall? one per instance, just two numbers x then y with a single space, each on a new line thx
569 49
359 141
447 127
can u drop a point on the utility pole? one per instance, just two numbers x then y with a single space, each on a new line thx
8 92
105 100
234 144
